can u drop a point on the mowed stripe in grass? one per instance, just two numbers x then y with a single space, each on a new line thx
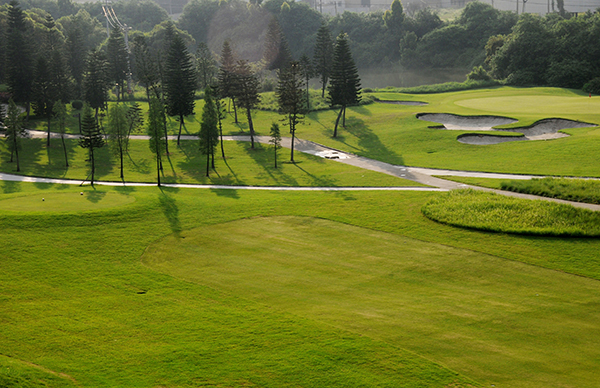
499 321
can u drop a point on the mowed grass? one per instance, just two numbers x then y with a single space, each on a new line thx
66 202
241 166
75 298
501 322
498 213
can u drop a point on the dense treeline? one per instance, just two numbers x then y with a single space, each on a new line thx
522 50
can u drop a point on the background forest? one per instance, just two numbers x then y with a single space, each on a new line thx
556 50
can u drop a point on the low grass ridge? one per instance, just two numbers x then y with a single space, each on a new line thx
578 190
444 87
497 213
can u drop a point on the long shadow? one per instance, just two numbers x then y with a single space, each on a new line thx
10 187
261 157
94 196
142 166
327 182
170 209
368 141
360 109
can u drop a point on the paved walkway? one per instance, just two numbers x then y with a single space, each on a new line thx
416 174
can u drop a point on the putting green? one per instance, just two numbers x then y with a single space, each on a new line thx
548 105
495 320
66 202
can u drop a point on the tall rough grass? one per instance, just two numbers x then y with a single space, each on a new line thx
579 190
496 213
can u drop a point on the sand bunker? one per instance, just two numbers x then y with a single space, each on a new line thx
541 130
414 103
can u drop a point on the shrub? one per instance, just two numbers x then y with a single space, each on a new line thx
478 74
77 104
521 78
579 190
569 74
592 86
497 213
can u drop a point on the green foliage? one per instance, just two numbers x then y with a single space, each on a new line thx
180 78
592 86
91 138
209 131
118 62
447 87
478 74
77 104
492 212
579 190
275 141
323 56
95 82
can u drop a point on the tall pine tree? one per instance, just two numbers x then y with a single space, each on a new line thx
209 135
95 83
91 138
118 61
344 88
291 97
226 76
323 56
246 92
180 80
19 57
156 132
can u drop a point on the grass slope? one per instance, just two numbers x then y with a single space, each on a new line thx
509 329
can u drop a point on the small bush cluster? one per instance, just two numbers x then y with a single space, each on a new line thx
497 213
447 87
578 190
593 86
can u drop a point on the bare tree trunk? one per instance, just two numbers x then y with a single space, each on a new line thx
180 125
337 121
65 149
251 126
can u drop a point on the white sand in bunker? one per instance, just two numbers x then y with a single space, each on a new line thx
542 130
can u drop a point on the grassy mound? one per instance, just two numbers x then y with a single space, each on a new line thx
579 190
497 213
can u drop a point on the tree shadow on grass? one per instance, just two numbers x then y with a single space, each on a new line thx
10 187
170 209
368 142
95 196
326 182
360 109
261 158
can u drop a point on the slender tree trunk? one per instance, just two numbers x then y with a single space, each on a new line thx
158 167
48 140
17 156
251 126
93 164
65 149
275 146
323 90
307 97
212 159
180 125
344 118
207 163
166 139
337 121
234 110
121 154
221 134
293 137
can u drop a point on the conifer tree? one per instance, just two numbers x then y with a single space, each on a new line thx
19 57
91 138
308 71
60 113
95 83
156 132
323 56
14 131
43 93
118 129
135 118
209 135
344 88
246 92
275 140
76 58
146 70
291 98
205 66
117 56
226 76
180 81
